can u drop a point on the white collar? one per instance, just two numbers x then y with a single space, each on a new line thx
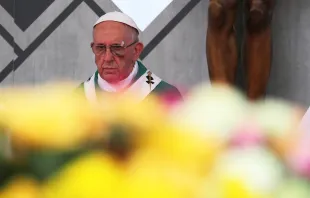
104 85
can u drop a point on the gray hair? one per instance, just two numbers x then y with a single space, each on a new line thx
134 34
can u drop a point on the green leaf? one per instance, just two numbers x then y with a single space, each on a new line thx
5 147
9 169
44 164
120 141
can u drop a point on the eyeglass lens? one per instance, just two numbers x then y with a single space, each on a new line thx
116 50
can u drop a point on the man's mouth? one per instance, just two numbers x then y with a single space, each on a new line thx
109 70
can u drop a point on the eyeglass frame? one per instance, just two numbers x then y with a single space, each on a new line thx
118 45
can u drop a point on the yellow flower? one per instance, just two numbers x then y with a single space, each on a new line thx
152 175
49 117
94 175
129 123
236 188
21 187
186 147
127 109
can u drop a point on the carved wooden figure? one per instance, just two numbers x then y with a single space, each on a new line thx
221 45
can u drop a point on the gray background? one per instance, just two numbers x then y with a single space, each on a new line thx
179 58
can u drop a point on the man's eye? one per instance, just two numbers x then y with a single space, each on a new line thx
116 47
100 47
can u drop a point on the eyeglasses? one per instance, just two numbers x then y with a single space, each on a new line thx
115 49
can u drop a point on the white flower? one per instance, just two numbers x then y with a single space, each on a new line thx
275 117
255 168
215 110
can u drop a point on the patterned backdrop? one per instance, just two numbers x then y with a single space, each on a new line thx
44 40
49 39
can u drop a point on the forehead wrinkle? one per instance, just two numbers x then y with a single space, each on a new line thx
126 32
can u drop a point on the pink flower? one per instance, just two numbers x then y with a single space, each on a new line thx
170 100
299 158
247 134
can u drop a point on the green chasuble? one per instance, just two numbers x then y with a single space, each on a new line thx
140 85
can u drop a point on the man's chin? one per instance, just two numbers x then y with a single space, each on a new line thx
111 78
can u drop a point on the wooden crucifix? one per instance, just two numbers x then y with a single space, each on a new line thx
221 44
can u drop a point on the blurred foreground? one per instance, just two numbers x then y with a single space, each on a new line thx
216 144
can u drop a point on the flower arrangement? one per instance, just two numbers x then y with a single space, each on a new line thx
215 144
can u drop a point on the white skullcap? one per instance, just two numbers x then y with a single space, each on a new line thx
118 17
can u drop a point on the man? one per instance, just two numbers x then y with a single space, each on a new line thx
221 43
117 49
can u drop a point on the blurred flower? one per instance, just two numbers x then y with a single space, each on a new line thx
170 100
129 109
213 110
49 117
214 145
152 175
1 114
293 188
276 117
247 134
21 187
279 121
133 128
128 122
94 175
298 157
185 147
250 172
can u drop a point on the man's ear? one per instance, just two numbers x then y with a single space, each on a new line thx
138 50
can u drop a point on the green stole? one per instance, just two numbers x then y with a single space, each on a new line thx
142 84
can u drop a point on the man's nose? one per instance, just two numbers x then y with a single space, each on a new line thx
108 56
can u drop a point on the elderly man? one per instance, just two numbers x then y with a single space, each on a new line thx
117 49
